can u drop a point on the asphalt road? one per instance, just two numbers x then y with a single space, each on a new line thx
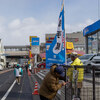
18 92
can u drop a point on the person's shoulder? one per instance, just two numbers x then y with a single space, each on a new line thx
50 77
79 62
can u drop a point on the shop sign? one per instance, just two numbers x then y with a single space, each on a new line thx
69 45
35 41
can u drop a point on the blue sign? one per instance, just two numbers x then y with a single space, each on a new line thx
57 51
35 41
92 28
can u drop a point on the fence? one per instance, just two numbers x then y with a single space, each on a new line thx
90 87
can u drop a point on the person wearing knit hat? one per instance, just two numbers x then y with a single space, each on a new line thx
50 84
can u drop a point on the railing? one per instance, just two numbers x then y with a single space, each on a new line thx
90 89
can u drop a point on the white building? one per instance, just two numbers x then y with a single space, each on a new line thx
2 56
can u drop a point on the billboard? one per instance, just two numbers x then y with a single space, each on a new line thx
69 45
35 41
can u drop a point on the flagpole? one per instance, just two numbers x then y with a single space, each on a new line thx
65 53
65 35
57 50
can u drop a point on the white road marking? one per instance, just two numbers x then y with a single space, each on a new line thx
39 76
5 96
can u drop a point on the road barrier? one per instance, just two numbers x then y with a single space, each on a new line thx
35 89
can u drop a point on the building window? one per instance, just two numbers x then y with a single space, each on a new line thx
99 41
92 43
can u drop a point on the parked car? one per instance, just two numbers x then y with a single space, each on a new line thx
86 57
41 65
95 60
83 58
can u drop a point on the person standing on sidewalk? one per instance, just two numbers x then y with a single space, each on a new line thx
18 72
80 72
50 84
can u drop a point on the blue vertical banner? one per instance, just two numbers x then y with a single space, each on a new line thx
57 50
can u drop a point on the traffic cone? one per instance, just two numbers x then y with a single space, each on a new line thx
29 73
36 89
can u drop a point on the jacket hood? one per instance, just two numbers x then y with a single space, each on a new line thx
52 69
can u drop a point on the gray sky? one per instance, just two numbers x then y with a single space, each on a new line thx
20 19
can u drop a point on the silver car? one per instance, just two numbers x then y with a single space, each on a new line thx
95 60
86 57
83 58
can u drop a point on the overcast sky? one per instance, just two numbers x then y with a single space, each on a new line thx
20 19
